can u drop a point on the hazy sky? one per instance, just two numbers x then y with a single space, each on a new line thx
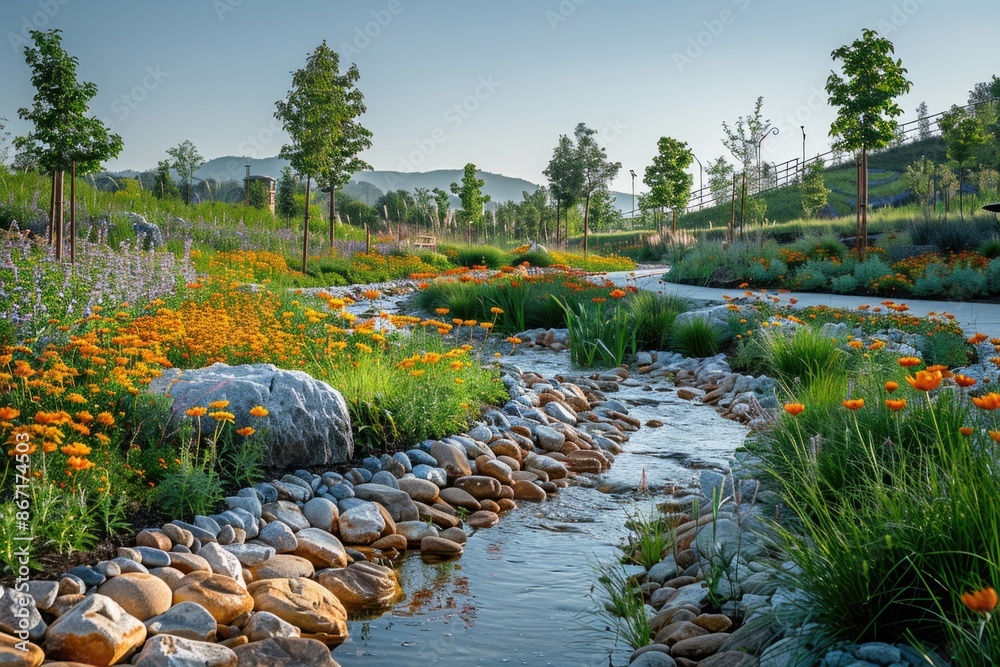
448 82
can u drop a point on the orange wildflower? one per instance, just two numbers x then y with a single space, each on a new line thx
218 405
966 431
246 431
79 463
906 362
223 416
977 338
854 403
895 404
8 413
990 401
891 386
442 311
196 412
964 380
794 408
76 449
259 411
983 601
618 294
995 435
496 310
925 380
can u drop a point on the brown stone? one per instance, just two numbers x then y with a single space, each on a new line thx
697 648
171 576
320 548
437 546
188 563
303 603
437 516
506 448
488 505
97 631
498 470
361 585
528 491
283 566
460 498
714 622
506 504
456 535
285 651
677 631
482 519
154 538
221 596
141 595
390 523
479 486
64 603
453 460
419 489
395 541
13 656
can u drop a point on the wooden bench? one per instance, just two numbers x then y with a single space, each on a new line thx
426 243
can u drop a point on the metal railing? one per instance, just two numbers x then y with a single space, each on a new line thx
777 175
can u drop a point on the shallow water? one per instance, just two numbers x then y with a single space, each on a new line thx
521 593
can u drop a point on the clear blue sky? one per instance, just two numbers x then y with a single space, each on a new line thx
448 82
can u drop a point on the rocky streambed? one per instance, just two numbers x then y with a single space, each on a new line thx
281 571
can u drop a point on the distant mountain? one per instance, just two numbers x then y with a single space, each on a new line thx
500 188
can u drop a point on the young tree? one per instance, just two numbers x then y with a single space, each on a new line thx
743 141
923 122
186 161
442 203
354 138
668 179
720 181
814 190
473 200
284 203
163 183
920 177
597 171
963 133
318 114
565 176
867 111
63 136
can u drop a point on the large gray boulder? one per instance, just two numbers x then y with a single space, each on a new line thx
308 424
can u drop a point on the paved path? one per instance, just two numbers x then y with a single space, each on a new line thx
973 317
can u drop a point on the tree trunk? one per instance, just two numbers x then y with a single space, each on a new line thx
961 183
333 233
675 221
52 208
557 223
72 214
305 230
58 222
863 204
731 232
188 202
586 226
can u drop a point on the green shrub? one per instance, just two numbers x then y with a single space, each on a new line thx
597 334
482 255
697 337
811 276
965 283
932 283
653 318
945 347
538 258
697 264
844 284
871 270
801 356
990 249
760 273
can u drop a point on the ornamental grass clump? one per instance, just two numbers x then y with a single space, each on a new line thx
601 332
697 337
887 483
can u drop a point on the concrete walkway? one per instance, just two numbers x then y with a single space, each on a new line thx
973 317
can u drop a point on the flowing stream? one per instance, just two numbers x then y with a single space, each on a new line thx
522 592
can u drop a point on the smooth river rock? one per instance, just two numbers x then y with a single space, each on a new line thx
95 631
305 604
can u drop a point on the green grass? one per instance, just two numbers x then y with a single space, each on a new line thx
697 337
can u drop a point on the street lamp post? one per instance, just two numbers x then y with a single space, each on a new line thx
701 181
767 131
632 171
803 128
